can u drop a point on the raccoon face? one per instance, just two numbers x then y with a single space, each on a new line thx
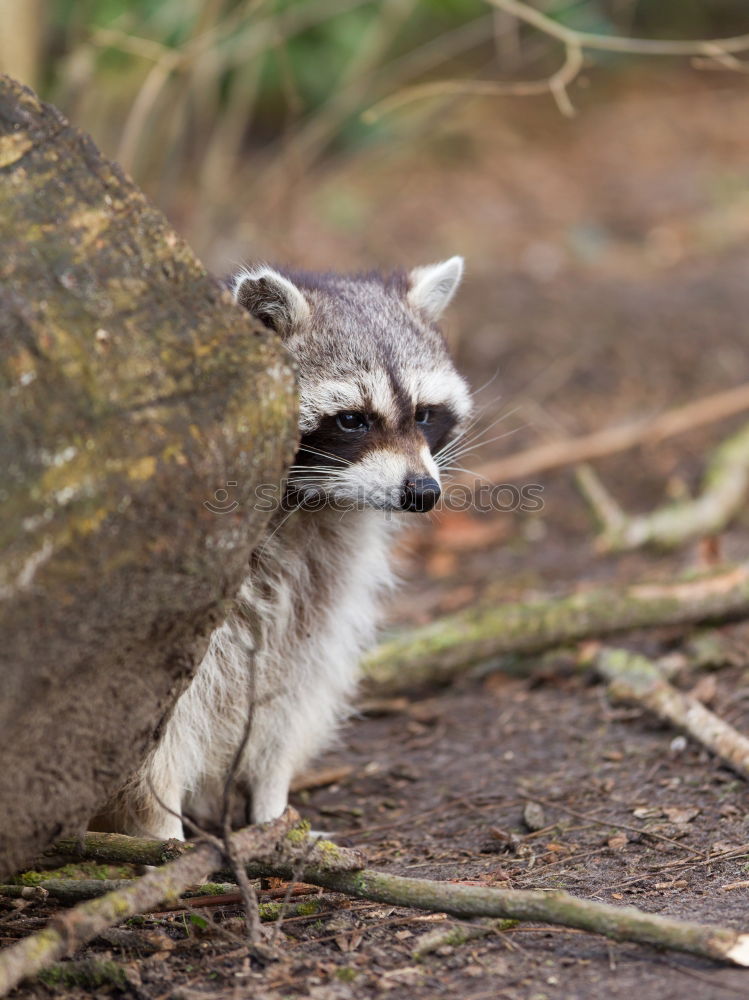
379 396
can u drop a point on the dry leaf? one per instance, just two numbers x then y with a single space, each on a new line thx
705 689
681 814
618 841
647 812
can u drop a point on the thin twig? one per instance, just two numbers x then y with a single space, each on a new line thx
574 42
249 896
615 43
295 877
556 84
606 510
74 890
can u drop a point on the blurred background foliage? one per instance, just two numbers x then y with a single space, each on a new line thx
209 102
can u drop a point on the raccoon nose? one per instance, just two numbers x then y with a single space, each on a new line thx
420 494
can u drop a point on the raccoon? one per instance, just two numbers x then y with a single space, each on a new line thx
379 400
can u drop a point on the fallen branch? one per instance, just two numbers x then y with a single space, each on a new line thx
114 848
35 892
723 495
622 923
438 652
338 870
633 678
71 891
75 890
601 444
68 931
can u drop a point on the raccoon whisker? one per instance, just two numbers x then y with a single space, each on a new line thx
321 468
475 438
315 478
316 470
312 470
465 429
324 454
479 411
458 444
323 482
468 436
467 472
500 416
276 529
486 384
310 484
309 465
482 444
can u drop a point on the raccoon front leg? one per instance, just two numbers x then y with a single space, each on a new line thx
270 791
145 810
163 821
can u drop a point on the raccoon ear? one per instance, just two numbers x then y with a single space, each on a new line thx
430 288
271 298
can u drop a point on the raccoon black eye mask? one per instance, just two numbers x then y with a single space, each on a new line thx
379 398
346 437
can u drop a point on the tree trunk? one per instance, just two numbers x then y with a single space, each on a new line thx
131 391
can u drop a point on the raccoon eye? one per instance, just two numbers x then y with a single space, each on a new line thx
423 415
352 421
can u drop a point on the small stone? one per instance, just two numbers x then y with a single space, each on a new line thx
534 816
678 744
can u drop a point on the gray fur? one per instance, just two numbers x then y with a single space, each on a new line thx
309 604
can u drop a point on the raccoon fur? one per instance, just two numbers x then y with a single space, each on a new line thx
379 399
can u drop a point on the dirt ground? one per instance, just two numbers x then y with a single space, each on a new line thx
608 275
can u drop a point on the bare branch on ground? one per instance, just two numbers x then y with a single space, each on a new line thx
723 495
442 650
634 678
338 870
73 890
70 891
68 931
